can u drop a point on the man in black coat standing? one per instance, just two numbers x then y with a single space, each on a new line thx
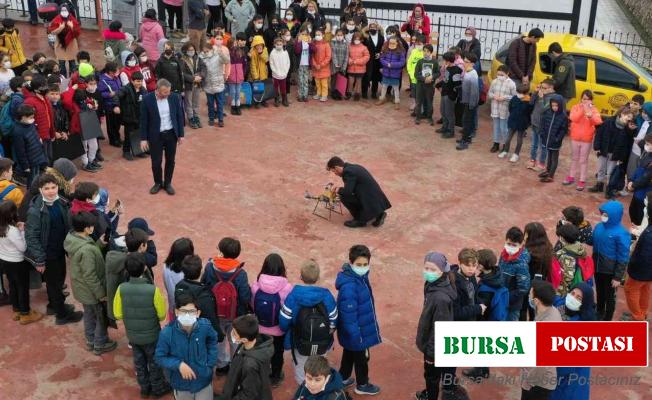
361 194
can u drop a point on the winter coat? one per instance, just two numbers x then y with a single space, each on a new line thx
238 66
16 194
413 59
640 264
564 76
12 45
305 296
610 139
226 267
171 69
466 307
359 184
411 25
117 41
251 32
332 391
611 242
357 324
279 63
239 13
38 226
130 101
215 63
438 303
198 350
149 77
582 128
474 47
358 58
43 114
392 62
545 377
74 108
271 285
554 126
521 61
272 32
114 265
373 65
205 302
249 371
519 114
61 118
539 105
258 67
87 274
516 276
101 223
107 86
490 286
642 177
150 34
65 44
565 264
191 67
339 56
470 89
126 72
452 82
505 88
196 16
26 143
320 60
317 20
141 306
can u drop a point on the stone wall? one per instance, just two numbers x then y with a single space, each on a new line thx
641 10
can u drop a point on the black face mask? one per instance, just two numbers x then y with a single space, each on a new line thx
168 52
373 31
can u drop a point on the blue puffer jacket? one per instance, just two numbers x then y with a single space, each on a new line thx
241 282
198 350
640 265
611 242
357 327
305 296
516 277
332 391
27 144
392 63
107 86
554 125
519 114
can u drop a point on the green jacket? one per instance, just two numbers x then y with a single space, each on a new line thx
86 269
141 306
564 76
117 274
415 56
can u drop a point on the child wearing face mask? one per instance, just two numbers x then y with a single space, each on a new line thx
131 65
147 67
61 118
273 31
29 151
501 91
439 297
86 198
216 60
517 122
169 67
36 96
322 381
279 63
75 101
349 29
304 49
392 59
571 264
291 22
237 70
258 58
109 86
641 184
357 66
254 29
194 74
415 53
339 61
131 97
6 73
320 62
357 325
189 363
514 265
554 126
115 42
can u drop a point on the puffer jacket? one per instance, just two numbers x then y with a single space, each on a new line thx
37 227
258 67
565 264
516 276
392 62
29 151
191 67
320 60
226 267
44 115
466 307
357 325
150 34
358 58
439 297
554 126
126 72
249 372
87 273
519 113
11 45
640 265
612 139
271 285
332 391
107 86
238 66
305 296
170 69
215 63
582 128
611 242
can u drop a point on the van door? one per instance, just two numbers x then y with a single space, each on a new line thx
613 87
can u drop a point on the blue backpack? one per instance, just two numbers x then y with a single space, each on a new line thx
498 310
267 307
7 121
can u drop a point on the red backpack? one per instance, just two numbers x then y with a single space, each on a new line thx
226 295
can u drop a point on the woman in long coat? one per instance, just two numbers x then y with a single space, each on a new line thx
66 29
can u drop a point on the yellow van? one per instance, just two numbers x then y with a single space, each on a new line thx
612 76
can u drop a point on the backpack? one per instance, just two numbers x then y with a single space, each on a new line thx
7 190
311 334
7 122
267 307
226 295
499 305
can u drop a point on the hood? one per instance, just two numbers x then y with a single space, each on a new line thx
567 57
226 264
262 351
272 284
109 35
647 107
614 209
124 55
308 296
443 285
161 45
74 242
334 383
576 250
346 276
562 103
257 40
149 24
493 279
79 206
587 309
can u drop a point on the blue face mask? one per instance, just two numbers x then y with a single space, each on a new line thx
360 270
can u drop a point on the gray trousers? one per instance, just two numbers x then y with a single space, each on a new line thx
191 98
94 327
204 394
448 114
605 168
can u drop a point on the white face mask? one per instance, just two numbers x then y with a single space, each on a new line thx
648 148
309 29
350 27
96 199
289 17
131 63
339 38
468 38
279 47
65 14
287 38
187 320
258 26
357 41
502 77
572 303
318 37
30 121
6 64
191 53
511 250
143 59
419 47
91 89
50 201
604 218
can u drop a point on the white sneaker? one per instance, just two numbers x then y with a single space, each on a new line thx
316 97
514 158
323 98
502 154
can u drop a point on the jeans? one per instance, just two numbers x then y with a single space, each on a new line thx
191 99
166 142
537 148
204 394
395 90
552 162
277 358
424 95
617 178
519 141
637 294
234 93
113 127
448 114
304 80
94 327
605 296
148 373
54 277
226 348
468 122
605 168
579 157
215 99
500 130
62 66
359 359
18 277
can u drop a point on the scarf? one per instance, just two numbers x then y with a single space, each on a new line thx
507 258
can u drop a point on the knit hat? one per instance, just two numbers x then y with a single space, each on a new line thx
85 70
439 260
66 168
140 223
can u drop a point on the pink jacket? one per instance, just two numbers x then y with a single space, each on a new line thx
271 284
150 33
176 3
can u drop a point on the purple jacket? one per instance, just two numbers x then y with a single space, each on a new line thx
397 61
107 86
298 47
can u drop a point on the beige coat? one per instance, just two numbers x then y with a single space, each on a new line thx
544 377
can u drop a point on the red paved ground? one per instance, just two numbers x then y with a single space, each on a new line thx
248 180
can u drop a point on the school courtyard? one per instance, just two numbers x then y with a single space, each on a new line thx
248 180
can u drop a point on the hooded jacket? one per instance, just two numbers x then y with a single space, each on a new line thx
226 267
611 139
248 377
216 63
565 264
490 286
11 45
305 296
239 13
466 307
439 297
582 128
516 276
170 69
357 324
564 76
554 125
126 72
258 66
611 242
332 391
392 62
410 25
271 285
197 349
87 274
150 34
640 265
44 115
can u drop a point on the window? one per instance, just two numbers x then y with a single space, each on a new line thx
546 63
612 75
580 67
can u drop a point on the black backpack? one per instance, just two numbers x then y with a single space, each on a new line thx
312 333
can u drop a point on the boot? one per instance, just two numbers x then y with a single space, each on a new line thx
277 101
597 188
285 100
33 316
238 110
495 148
234 110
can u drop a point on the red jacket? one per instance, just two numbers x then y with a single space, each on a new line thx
73 108
411 25
147 69
44 116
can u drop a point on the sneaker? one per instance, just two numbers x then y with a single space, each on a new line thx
89 168
568 181
127 156
110 345
368 389
32 316
422 395
417 121
531 164
16 316
547 179
51 311
348 382
580 186
440 130
323 98
514 158
98 156
540 166
220 124
462 146
89 345
316 97
96 165
70 318
543 174
211 122
494 148
502 154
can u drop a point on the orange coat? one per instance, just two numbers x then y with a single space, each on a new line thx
320 61
582 129
358 58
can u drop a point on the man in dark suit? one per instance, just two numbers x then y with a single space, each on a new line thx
161 128
361 194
